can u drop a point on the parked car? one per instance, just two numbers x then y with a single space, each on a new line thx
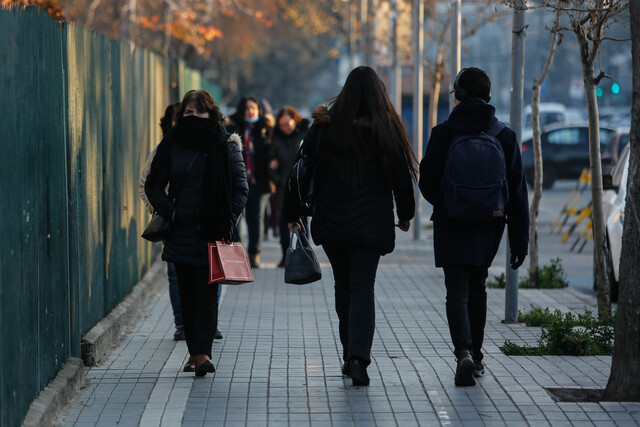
613 200
611 155
565 151
550 112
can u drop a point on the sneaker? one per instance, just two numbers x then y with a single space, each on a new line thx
218 335
465 369
178 335
479 369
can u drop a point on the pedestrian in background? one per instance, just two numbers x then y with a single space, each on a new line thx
166 122
464 245
285 143
204 161
363 161
256 134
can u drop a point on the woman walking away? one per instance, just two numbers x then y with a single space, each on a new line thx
208 190
363 162
285 142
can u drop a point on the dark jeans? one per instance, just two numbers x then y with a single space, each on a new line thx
256 205
199 304
285 234
354 272
174 294
466 307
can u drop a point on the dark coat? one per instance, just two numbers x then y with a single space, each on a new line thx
186 243
284 149
362 216
467 243
261 135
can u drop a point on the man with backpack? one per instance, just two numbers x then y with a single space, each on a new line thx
473 176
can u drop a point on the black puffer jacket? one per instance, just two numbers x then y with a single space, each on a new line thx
186 243
284 149
460 242
261 135
364 216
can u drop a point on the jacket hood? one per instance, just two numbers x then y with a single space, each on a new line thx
321 115
471 117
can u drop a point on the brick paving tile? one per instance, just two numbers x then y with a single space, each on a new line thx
279 361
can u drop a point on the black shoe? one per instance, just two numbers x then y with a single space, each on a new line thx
465 369
189 368
281 263
479 369
345 369
358 372
202 369
178 335
254 261
218 335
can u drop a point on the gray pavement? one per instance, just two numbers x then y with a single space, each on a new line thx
279 361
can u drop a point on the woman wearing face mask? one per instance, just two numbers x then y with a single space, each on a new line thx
252 126
200 160
285 142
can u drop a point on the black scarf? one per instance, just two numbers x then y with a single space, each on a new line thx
208 136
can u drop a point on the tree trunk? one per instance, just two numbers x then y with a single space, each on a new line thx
537 185
537 157
435 94
597 217
623 382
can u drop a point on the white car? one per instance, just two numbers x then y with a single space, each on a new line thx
613 205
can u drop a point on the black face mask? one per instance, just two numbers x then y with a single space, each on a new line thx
197 132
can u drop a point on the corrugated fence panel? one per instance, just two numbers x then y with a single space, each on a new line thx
86 178
34 309
79 114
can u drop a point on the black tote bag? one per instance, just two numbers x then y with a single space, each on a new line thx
301 265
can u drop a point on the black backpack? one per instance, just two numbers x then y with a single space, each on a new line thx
474 184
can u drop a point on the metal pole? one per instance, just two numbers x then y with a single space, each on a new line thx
418 95
454 62
515 122
396 68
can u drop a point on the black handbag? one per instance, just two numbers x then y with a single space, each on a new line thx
301 265
159 228
301 181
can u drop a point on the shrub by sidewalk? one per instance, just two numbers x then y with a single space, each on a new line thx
565 334
551 277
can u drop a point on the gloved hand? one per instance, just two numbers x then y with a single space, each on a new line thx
516 261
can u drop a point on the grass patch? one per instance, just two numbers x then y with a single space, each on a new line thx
565 334
550 276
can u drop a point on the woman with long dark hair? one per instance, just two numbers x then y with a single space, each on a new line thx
208 190
363 162
287 136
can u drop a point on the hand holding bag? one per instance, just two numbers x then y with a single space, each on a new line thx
301 265
229 263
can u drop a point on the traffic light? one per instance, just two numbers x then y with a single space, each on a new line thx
599 92
615 88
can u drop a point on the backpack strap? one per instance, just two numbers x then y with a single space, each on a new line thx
496 128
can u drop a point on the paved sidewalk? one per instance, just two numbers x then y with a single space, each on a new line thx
279 361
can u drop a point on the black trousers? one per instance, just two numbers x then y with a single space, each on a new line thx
354 272
466 307
199 305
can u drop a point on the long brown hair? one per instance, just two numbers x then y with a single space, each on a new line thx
361 114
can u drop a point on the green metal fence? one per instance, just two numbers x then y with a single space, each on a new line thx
79 114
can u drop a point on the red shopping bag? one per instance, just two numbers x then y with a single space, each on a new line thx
229 264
